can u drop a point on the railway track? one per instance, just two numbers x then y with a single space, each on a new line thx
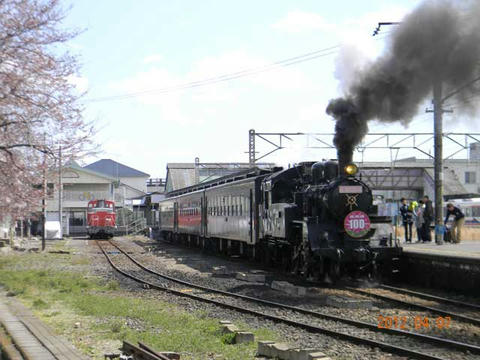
420 346
438 299
404 297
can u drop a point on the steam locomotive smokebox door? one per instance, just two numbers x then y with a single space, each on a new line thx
346 196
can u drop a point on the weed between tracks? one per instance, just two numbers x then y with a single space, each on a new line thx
97 315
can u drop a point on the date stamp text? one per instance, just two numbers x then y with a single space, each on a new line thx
416 322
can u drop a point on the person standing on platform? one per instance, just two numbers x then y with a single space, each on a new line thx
458 222
407 219
412 208
427 219
419 220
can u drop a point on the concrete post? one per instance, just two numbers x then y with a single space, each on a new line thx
438 158
60 191
251 147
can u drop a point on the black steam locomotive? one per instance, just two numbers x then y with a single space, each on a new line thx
308 219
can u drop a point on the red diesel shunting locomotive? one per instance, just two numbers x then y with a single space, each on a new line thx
101 220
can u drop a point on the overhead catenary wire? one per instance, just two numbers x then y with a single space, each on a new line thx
228 76
225 77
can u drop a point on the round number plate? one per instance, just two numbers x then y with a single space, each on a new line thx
357 224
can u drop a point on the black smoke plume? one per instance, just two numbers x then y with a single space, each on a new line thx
438 41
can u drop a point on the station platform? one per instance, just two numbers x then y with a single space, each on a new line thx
468 250
454 267
31 338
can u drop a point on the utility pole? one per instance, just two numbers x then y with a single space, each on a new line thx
44 202
438 159
60 191
251 147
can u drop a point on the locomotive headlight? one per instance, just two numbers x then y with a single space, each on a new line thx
351 169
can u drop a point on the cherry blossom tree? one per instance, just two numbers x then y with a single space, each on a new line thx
40 108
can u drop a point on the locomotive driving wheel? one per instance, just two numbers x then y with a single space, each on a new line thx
332 271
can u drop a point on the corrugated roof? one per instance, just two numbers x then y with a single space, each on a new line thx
182 175
115 169
178 178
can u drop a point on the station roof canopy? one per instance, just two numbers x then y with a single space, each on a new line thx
115 169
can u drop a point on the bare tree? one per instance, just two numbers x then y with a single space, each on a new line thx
39 104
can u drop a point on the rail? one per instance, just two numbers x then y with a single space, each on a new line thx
142 352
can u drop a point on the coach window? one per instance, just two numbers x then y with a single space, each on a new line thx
241 213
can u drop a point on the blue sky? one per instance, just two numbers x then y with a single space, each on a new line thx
131 46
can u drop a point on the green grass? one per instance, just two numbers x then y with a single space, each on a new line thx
107 313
